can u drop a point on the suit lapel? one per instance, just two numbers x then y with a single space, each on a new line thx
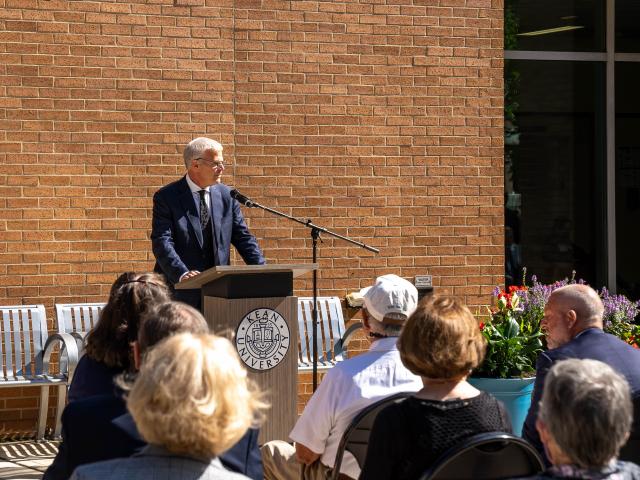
189 206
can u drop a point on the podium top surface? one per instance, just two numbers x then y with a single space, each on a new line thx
218 272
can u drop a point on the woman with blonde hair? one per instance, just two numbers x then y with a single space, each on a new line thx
441 343
191 401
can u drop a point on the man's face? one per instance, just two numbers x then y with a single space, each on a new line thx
557 323
207 169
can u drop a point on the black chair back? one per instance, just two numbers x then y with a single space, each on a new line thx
492 455
355 439
631 451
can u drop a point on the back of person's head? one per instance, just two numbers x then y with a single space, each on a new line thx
583 300
120 281
586 407
166 319
442 339
193 397
388 304
109 340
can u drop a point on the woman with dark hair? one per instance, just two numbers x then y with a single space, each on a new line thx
107 345
441 343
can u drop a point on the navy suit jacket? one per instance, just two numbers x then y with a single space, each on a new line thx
592 344
100 428
89 436
176 235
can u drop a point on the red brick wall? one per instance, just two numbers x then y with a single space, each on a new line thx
379 119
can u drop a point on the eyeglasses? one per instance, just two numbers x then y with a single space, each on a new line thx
215 164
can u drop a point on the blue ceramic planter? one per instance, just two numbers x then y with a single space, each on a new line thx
515 393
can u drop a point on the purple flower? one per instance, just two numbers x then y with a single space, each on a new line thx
512 329
617 309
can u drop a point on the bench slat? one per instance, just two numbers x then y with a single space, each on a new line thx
330 330
8 344
26 343
77 317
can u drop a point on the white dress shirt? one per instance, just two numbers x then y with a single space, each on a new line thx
196 196
347 388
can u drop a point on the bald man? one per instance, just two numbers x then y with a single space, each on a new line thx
572 325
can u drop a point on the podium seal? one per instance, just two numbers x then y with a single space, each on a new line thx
262 339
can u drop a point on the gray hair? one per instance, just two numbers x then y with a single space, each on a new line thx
586 406
386 329
196 147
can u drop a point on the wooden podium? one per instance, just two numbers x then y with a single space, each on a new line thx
254 306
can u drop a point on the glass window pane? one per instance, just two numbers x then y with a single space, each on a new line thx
555 25
627 26
627 178
554 170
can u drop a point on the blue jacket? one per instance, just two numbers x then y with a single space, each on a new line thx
89 436
176 235
92 378
592 344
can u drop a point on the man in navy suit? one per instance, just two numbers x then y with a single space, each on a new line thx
195 221
573 328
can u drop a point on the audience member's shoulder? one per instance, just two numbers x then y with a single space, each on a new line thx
157 468
98 405
341 370
629 470
398 412
485 398
99 470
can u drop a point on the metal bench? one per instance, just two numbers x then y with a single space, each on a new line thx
332 338
25 352
77 319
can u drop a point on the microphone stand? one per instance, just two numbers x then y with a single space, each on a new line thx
315 236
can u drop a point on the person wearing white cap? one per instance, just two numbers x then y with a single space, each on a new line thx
349 387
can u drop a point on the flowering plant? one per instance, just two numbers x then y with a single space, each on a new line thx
619 315
512 326
512 332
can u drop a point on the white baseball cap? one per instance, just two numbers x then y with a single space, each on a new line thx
392 297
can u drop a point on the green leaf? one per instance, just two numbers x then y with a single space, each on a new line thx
512 329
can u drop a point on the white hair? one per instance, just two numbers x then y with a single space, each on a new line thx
586 406
196 147
385 329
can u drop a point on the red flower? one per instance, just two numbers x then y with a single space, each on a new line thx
517 288
481 326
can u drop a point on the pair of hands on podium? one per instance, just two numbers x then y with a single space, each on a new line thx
188 275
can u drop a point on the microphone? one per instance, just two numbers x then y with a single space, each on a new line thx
241 198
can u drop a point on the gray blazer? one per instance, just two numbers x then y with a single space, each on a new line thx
155 463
